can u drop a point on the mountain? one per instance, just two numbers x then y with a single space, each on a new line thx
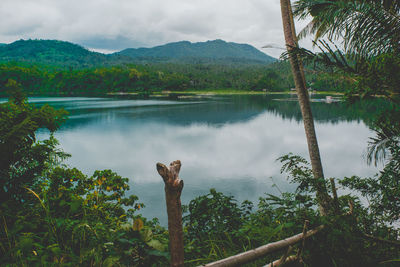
54 52
217 50
66 54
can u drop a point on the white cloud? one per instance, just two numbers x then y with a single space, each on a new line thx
102 24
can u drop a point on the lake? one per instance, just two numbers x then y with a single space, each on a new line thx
229 143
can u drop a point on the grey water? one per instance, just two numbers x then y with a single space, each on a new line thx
228 143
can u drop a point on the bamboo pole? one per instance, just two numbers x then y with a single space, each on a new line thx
254 254
173 189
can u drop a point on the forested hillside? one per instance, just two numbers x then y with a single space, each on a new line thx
211 51
53 52
66 54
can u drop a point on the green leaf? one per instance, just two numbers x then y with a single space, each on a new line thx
156 244
146 234
111 261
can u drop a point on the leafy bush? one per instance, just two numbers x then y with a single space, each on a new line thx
53 215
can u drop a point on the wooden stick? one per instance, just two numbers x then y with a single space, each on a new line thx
173 189
283 259
254 254
335 196
306 222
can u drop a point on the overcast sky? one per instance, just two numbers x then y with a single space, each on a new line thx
112 25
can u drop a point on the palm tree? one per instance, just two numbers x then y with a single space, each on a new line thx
298 74
366 27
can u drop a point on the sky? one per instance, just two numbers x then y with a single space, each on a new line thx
112 25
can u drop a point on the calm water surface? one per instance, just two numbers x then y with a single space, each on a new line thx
227 143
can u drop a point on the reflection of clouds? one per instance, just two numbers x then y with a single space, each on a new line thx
245 149
235 158
234 151
229 151
342 148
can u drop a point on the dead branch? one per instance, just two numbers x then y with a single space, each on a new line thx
254 254
306 222
173 189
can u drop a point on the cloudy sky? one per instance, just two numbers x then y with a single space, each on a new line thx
111 25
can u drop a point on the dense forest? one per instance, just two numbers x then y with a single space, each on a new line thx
54 215
156 77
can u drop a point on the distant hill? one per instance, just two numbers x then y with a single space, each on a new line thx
54 52
210 51
66 54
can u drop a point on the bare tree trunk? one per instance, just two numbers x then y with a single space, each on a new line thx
173 190
302 94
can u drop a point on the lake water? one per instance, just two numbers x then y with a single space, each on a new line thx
227 143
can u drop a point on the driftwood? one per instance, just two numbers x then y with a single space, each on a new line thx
173 190
254 254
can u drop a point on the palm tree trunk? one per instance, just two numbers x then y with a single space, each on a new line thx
296 41
302 94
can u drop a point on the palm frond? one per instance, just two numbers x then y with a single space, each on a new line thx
367 27
327 57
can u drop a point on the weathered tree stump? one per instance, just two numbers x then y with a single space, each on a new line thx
173 190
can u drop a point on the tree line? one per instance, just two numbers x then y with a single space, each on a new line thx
144 79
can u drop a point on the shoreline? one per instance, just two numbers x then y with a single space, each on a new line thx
219 92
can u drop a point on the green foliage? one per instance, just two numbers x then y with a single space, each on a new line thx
344 242
53 215
212 215
216 226
379 76
22 158
43 80
367 27
54 52
383 190
369 32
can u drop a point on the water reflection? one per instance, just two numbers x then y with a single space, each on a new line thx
230 144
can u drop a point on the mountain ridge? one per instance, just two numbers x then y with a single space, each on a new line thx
56 52
215 49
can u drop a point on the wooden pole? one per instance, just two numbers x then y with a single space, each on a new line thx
173 189
254 254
